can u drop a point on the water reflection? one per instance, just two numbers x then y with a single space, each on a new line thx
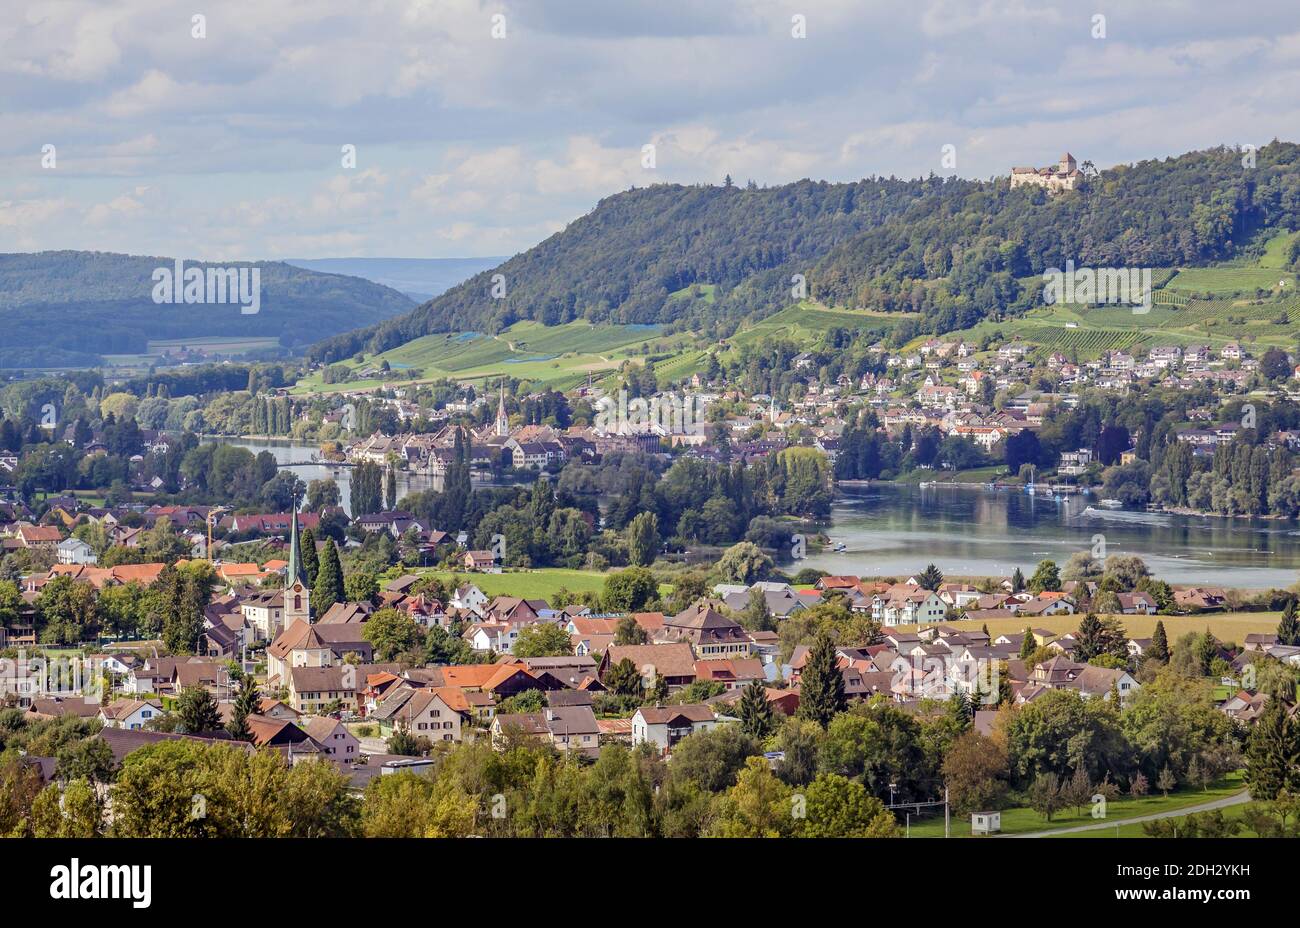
973 531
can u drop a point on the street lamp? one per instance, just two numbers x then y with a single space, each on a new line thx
891 793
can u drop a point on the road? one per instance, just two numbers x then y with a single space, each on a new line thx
1234 800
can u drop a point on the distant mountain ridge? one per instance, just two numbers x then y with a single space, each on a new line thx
69 308
951 250
419 278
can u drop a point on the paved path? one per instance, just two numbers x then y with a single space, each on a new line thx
1235 799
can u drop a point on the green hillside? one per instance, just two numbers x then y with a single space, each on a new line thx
951 252
71 308
557 356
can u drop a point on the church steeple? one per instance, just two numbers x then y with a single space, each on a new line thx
295 571
503 421
297 594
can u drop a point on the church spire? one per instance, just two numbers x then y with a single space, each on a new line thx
295 570
503 421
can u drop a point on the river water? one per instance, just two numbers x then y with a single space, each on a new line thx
893 529
972 531
292 452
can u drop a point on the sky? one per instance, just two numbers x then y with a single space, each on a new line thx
480 128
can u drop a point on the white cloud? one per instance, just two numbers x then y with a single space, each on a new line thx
467 144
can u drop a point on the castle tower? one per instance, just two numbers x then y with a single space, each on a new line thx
503 421
297 594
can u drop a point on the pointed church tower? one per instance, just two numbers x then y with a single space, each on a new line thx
503 421
297 595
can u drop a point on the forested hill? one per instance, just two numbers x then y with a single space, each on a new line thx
950 249
69 308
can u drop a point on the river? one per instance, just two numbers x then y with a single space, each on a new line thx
896 529
891 529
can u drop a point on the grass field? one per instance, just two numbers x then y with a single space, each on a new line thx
532 584
1226 626
976 475
1021 820
559 356
1134 830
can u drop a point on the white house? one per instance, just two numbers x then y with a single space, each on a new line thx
76 551
130 713
664 726
469 597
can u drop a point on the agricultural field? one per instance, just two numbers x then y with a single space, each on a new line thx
528 584
559 356
1230 280
808 321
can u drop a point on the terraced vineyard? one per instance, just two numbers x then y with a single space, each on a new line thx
559 356
808 321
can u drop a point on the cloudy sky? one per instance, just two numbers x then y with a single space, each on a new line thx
230 146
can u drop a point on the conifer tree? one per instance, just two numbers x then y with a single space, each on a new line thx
1288 630
755 711
1159 648
1029 644
821 685
1273 754
247 702
310 556
328 588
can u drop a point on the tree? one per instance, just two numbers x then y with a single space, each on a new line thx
183 594
1166 781
402 742
1017 581
542 639
367 488
360 586
757 617
247 702
328 588
76 812
821 685
1275 365
837 807
1029 644
931 578
392 632
310 556
744 563
1046 577
1159 648
976 772
756 718
643 539
629 590
196 711
1097 637
758 806
1273 754
322 494
1288 629
623 678
712 759
1045 795
627 631
407 805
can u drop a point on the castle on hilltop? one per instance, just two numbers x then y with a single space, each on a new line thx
1064 175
